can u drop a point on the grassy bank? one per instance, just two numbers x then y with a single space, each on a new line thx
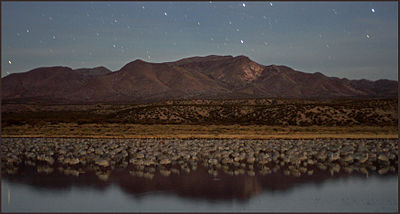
110 130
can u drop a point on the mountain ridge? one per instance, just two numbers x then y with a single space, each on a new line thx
199 77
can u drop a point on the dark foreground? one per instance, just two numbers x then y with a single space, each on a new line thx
198 175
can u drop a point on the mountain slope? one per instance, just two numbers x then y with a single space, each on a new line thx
196 77
233 72
142 80
49 83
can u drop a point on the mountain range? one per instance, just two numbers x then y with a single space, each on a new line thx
208 77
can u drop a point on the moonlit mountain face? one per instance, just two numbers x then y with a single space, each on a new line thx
211 76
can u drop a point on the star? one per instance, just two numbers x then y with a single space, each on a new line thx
244 5
142 7
54 37
9 62
115 20
198 23
241 41
165 14
237 29
270 3
27 30
265 43
230 22
373 10
114 46
367 36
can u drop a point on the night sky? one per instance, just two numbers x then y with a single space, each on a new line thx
356 40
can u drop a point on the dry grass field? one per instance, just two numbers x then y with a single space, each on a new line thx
196 131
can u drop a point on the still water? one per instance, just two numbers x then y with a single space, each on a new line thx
198 191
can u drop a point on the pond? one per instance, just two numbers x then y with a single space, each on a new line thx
199 192
31 186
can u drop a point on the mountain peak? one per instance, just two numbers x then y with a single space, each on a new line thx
209 58
242 57
139 61
50 68
101 68
133 64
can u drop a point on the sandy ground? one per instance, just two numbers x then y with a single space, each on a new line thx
197 131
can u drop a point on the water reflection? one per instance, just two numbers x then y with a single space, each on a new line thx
8 196
197 191
198 184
